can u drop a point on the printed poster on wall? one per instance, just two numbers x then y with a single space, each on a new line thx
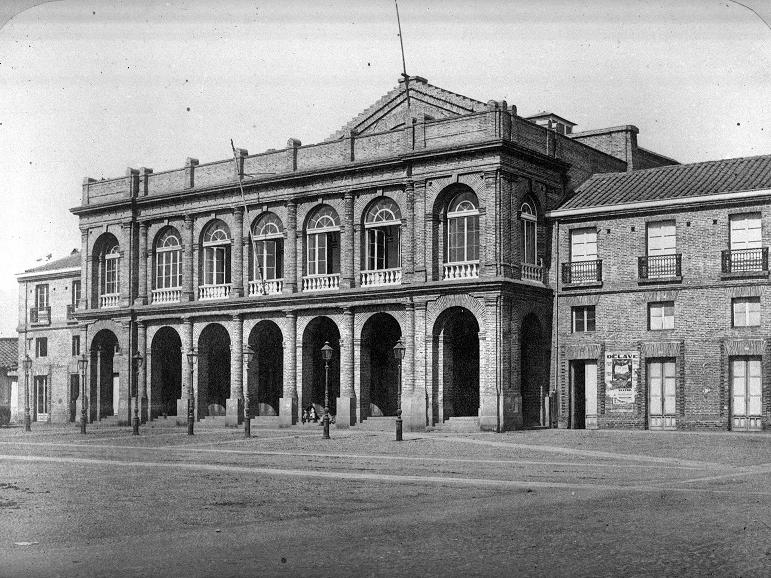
622 376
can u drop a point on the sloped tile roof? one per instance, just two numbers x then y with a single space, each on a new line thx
9 351
71 260
673 182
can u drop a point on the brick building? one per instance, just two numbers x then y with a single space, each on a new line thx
50 336
425 222
8 377
662 306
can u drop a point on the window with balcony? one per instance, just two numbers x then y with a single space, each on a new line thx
462 237
746 253
661 260
661 316
41 394
267 270
168 267
531 268
106 263
41 313
74 300
216 261
583 319
382 224
75 345
322 238
584 267
745 311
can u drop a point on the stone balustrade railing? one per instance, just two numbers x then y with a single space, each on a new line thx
464 270
381 277
266 287
218 291
321 282
109 300
172 295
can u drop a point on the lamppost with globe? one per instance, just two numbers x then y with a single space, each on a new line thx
399 355
248 357
138 360
326 355
27 366
83 364
191 357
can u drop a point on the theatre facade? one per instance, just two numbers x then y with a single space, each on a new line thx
436 223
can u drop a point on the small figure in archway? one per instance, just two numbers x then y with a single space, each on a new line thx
306 417
312 415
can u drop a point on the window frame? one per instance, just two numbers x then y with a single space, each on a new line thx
529 218
383 235
75 345
747 313
463 222
574 235
584 310
662 306
168 261
324 223
217 256
42 296
41 347
268 230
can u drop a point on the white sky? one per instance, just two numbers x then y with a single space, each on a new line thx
88 88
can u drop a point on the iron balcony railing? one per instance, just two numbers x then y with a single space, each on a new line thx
577 272
659 266
745 260
40 315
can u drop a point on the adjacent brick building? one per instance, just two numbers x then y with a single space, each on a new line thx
426 223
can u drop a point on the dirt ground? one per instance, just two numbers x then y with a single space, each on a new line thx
286 502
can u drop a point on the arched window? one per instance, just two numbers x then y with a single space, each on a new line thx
267 248
168 260
463 229
383 226
216 258
110 264
529 218
323 241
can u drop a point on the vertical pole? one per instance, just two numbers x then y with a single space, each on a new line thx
83 396
135 419
27 420
247 415
399 406
326 399
190 416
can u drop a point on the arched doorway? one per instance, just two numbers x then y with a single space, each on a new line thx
213 370
319 331
266 372
534 373
165 372
105 379
456 365
379 369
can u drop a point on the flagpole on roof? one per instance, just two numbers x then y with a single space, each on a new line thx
404 65
239 175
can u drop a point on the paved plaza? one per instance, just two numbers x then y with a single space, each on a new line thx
287 502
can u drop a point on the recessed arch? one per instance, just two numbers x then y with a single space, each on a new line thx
316 333
265 374
379 370
534 370
104 387
213 370
165 372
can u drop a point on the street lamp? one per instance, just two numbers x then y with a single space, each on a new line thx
399 355
138 360
27 367
191 356
326 355
248 354
83 364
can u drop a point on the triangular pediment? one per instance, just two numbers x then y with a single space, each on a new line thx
389 111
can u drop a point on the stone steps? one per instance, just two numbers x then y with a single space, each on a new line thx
268 421
459 424
378 424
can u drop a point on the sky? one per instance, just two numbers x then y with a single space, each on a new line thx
88 88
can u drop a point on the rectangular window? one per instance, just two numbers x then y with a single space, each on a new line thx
168 273
662 394
41 394
75 345
746 311
661 315
41 347
75 293
746 393
661 238
463 239
111 275
583 319
583 244
41 296
745 231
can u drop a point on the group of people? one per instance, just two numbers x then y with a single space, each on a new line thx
311 415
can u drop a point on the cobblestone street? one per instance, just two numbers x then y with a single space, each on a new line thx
286 502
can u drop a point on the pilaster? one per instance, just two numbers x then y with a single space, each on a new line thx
288 404
346 254
142 373
233 415
188 291
290 255
237 263
143 289
346 403
85 259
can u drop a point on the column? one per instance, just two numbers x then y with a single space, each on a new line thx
126 259
346 254
234 404
413 399
142 374
144 289
237 264
290 253
408 245
421 238
287 414
122 366
98 383
188 281
489 227
85 286
346 403
186 338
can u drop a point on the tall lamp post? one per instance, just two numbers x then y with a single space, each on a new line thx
248 356
27 367
138 360
83 364
399 355
326 355
191 356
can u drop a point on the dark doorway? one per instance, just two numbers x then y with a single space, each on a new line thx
266 372
578 394
74 395
534 373
213 370
456 335
165 372
379 368
319 331
103 375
